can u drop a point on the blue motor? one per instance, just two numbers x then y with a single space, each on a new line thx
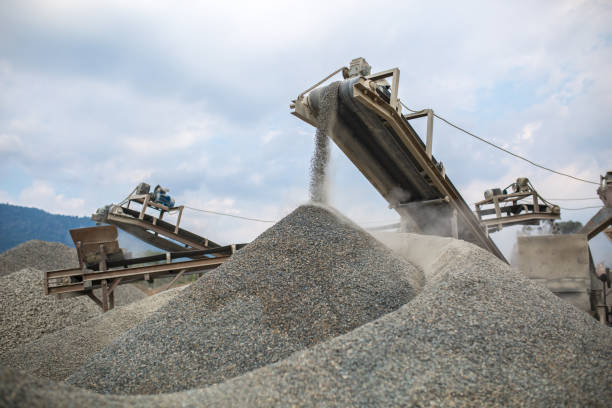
160 195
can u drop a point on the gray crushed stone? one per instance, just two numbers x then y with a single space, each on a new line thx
309 278
124 294
479 334
57 355
41 255
26 313
319 164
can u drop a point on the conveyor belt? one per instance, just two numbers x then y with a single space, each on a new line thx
154 231
387 150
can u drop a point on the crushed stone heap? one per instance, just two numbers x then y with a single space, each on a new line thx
59 354
309 278
41 255
479 334
27 313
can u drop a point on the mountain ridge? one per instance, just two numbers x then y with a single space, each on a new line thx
19 224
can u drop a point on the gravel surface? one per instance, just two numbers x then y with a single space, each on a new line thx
27 313
479 334
41 255
124 294
59 354
309 278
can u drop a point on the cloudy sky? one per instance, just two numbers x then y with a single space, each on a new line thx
98 96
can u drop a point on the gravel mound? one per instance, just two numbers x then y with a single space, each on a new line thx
59 354
309 278
124 294
27 313
479 334
41 255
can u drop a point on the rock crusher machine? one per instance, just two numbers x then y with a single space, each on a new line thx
103 264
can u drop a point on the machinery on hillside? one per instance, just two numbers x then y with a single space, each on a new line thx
103 264
131 216
517 204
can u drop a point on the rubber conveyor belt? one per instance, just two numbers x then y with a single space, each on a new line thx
387 150
156 232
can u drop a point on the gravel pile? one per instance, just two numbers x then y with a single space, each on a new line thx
124 294
41 255
27 313
309 278
59 354
479 334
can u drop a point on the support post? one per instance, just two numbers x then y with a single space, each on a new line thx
111 300
114 284
177 277
80 255
497 212
102 254
93 297
428 145
178 221
104 296
145 203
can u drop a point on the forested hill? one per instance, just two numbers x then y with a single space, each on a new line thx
20 224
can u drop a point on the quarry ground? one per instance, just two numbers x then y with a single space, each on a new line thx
314 312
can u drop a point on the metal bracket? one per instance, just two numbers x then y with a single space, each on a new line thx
430 116
344 71
394 73
435 201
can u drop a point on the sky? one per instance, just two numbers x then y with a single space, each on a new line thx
96 97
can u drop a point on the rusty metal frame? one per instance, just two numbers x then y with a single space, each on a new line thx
145 201
363 90
394 73
139 224
608 233
431 170
535 211
83 282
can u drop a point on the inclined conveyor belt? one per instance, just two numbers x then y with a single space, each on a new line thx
387 150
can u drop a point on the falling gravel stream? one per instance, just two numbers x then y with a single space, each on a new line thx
319 165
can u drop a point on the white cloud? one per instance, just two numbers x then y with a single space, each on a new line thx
4 197
155 145
256 178
10 144
41 194
270 136
528 131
